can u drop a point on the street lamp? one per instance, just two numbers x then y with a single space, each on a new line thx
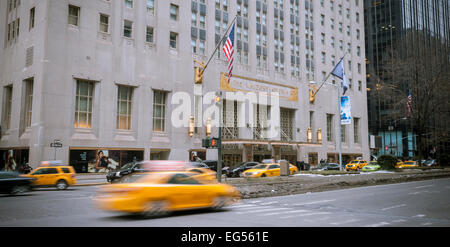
309 134
319 135
191 126
208 127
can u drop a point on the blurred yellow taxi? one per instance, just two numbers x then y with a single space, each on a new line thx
267 170
158 193
355 165
407 164
203 173
50 174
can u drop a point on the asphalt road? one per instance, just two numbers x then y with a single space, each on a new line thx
423 203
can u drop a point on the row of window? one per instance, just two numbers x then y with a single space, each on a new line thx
84 108
84 105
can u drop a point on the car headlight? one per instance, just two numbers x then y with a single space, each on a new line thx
117 174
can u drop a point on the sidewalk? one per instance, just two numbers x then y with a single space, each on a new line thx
90 179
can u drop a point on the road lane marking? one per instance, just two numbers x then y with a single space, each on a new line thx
425 186
241 206
287 212
263 210
304 215
419 216
344 222
255 201
395 206
268 203
253 208
378 224
309 203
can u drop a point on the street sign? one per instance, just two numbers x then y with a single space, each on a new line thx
56 144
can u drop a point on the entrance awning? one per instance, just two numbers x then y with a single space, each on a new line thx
271 142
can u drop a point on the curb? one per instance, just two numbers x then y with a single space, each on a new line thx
91 184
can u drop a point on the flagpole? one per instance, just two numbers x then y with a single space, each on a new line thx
328 76
220 42
339 129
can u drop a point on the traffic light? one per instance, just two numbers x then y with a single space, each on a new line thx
215 143
211 142
206 142
198 77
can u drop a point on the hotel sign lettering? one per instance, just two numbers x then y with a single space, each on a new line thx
244 84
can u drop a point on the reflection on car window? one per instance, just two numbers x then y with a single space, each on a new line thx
274 166
260 166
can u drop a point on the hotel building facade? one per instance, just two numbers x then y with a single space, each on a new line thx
82 76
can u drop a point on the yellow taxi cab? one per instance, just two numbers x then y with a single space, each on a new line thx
203 173
407 164
53 174
355 165
158 193
267 170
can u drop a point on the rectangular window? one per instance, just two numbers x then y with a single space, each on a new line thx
104 23
343 134
329 127
127 28
151 6
356 130
28 102
83 104
74 15
159 111
7 104
17 27
173 12
124 104
173 40
149 35
129 3
32 14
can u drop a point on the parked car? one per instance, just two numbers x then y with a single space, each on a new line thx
372 166
326 167
236 172
267 170
127 169
13 183
332 166
150 197
355 165
53 174
212 164
431 162
408 164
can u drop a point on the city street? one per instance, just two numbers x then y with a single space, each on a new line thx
422 203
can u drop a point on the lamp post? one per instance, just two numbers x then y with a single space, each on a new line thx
319 135
309 134
191 126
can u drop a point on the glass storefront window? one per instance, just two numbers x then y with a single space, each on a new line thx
102 160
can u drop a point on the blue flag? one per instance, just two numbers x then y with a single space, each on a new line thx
339 72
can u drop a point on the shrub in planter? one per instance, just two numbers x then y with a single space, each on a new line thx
387 162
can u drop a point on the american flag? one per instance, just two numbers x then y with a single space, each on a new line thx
228 49
408 103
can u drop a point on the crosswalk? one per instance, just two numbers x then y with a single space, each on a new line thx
276 209
319 212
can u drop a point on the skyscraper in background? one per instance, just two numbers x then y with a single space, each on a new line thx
386 21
